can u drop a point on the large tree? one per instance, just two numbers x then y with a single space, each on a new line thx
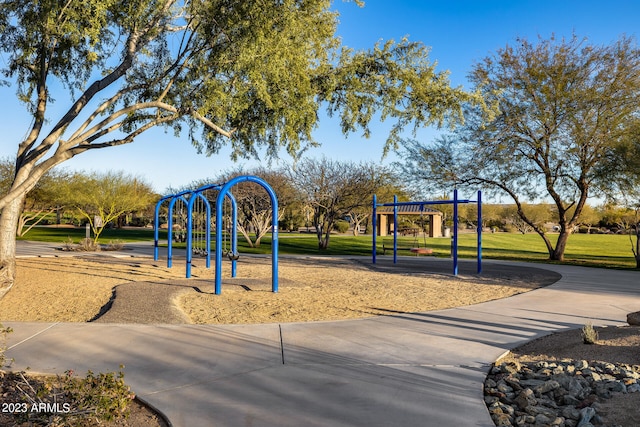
101 198
334 189
255 214
385 185
251 74
565 110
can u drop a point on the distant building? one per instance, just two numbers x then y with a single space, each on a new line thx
430 217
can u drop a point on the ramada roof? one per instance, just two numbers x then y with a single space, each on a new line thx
408 210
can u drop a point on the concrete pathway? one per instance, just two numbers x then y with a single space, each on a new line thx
43 249
420 369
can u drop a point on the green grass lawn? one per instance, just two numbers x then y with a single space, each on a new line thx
599 250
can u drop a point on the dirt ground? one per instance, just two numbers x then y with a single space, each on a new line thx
130 290
82 289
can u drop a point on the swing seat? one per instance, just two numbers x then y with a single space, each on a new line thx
233 256
422 251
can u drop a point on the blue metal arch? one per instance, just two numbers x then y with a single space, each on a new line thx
274 224
179 196
234 236
156 226
156 221
197 195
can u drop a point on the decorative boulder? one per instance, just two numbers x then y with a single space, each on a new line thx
633 319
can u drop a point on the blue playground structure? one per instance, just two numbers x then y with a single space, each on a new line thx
454 244
195 208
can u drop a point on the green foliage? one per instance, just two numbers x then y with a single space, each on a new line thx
44 199
247 74
7 173
99 397
341 226
104 395
589 334
102 197
71 37
67 400
565 111
4 331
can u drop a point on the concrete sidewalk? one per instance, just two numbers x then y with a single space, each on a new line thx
423 369
27 249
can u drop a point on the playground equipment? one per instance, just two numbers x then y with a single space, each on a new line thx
201 225
274 228
454 244
198 218
172 201
186 199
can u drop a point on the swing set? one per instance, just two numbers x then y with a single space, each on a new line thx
424 250
197 227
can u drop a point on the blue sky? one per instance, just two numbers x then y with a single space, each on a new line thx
459 33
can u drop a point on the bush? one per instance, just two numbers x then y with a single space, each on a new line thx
106 396
85 245
369 229
68 245
289 224
140 222
341 226
3 345
589 334
67 400
115 245
88 245
64 399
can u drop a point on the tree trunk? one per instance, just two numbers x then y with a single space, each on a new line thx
558 253
319 234
636 250
246 236
322 233
8 227
323 243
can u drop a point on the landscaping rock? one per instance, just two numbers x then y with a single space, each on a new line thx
563 394
633 319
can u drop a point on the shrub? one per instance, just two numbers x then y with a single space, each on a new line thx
106 396
3 344
88 245
341 226
68 245
115 245
589 334
64 399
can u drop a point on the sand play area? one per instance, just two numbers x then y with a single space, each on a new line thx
138 290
